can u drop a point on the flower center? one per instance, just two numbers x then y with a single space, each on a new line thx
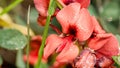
72 30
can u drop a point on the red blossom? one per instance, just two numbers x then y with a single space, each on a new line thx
62 45
34 48
77 24
104 44
42 7
76 21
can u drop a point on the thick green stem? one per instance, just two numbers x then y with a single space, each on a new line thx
51 10
43 42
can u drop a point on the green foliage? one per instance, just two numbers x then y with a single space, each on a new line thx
111 11
117 61
1 60
92 10
43 65
118 37
19 60
51 10
11 6
12 39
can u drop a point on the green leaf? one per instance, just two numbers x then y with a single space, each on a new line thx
110 11
118 37
43 65
11 6
33 22
117 60
12 39
1 60
19 60
92 10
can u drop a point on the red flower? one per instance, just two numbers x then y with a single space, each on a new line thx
42 7
68 50
104 44
76 24
34 48
76 21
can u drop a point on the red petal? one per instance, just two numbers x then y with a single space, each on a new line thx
68 16
97 42
68 54
84 25
32 59
35 42
52 42
41 20
110 48
84 3
42 6
97 28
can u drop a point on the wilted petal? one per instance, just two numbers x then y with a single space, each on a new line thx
84 25
85 60
104 62
110 48
42 6
68 16
97 28
52 42
68 54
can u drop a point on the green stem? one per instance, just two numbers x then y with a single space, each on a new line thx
43 42
7 9
59 5
28 27
51 10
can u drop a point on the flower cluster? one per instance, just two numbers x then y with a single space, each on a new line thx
79 29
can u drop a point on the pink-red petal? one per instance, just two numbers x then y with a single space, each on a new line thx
52 42
98 41
84 25
68 16
97 28
42 6
84 3
68 54
110 48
